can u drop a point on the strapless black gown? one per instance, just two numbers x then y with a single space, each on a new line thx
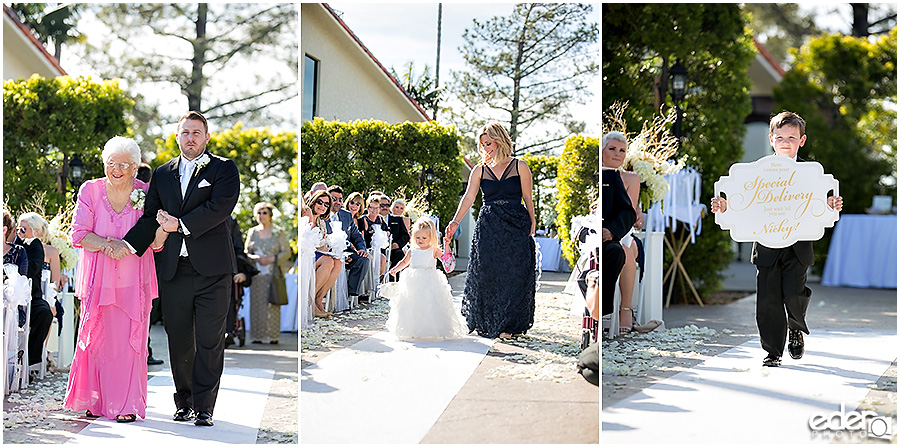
500 284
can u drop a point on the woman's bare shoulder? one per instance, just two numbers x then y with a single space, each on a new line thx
630 178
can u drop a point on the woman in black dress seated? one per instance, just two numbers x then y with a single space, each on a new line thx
500 284
371 220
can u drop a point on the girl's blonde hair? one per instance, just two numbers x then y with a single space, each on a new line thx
496 132
425 223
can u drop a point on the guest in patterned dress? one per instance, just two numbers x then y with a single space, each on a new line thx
267 246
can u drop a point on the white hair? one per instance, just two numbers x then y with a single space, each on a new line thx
121 145
615 135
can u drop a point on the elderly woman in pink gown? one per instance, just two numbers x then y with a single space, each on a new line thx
109 372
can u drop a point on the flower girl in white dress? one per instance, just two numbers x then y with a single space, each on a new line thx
421 301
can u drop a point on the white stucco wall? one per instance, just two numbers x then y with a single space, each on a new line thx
351 85
20 57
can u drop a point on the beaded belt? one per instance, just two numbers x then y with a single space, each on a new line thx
497 202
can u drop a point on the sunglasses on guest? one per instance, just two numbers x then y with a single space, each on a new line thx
323 203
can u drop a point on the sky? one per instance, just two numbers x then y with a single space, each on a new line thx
172 101
397 33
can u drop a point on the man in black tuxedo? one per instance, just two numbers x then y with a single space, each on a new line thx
781 293
618 218
359 257
192 198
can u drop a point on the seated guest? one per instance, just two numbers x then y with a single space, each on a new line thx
358 261
369 221
327 266
41 311
355 208
317 186
613 156
618 218
13 254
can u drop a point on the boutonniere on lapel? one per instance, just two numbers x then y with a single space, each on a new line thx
202 161
137 198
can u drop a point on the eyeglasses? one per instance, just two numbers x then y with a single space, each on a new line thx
337 199
121 166
21 230
323 203
385 205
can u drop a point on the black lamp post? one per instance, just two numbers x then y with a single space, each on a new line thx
429 180
678 76
76 173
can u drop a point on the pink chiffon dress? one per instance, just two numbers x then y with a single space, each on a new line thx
109 372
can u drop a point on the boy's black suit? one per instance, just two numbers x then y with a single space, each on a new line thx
781 287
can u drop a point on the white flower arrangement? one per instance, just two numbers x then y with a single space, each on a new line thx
59 232
651 156
202 161
137 198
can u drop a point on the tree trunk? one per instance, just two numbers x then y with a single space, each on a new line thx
62 174
517 81
194 89
437 65
860 19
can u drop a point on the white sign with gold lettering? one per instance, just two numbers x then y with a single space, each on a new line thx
776 201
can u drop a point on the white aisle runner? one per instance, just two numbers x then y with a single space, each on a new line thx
731 398
242 398
382 390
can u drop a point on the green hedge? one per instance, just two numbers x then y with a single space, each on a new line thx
373 155
262 157
46 122
576 186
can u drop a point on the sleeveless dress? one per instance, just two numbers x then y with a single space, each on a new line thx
421 302
500 282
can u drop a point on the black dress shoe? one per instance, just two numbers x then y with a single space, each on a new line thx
204 418
154 361
183 414
772 361
795 343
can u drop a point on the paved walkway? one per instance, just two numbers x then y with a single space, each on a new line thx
239 409
380 390
393 391
257 403
726 394
731 396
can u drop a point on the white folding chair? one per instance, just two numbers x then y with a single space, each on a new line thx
22 351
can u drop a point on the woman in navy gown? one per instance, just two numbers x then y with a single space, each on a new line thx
500 285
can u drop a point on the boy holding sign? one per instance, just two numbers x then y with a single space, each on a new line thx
781 293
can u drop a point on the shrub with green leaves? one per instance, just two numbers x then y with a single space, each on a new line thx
373 155
577 186
48 121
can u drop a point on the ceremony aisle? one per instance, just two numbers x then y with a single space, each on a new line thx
359 385
732 398
239 409
382 390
